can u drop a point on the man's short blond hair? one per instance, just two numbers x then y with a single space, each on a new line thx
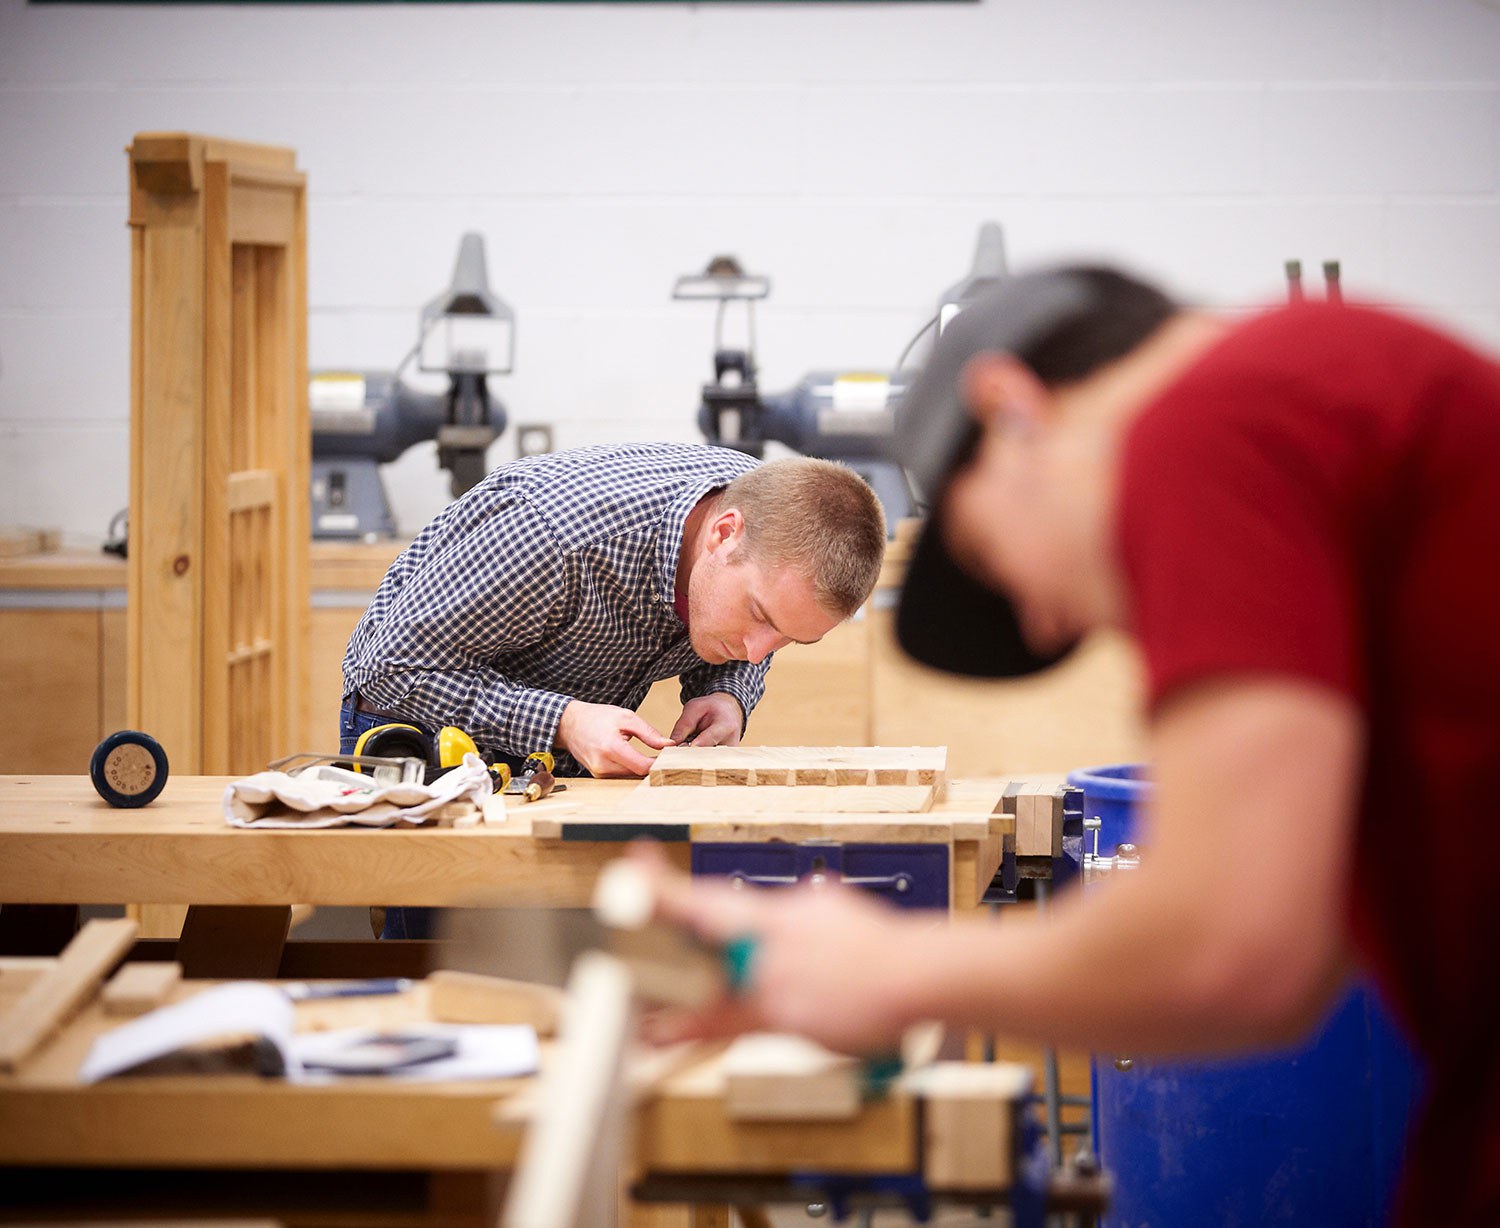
819 518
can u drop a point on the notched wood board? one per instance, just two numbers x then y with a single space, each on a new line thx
802 765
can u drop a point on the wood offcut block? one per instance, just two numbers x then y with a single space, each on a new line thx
802 765
140 987
970 1113
1037 804
772 1077
17 541
470 997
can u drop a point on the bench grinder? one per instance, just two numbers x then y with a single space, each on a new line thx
362 419
845 416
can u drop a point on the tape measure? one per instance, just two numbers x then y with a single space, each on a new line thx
128 768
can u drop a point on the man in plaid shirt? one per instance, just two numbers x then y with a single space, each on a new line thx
536 611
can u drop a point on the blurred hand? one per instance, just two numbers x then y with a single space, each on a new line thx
710 720
598 736
830 963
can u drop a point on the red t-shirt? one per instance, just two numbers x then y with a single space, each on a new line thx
1319 497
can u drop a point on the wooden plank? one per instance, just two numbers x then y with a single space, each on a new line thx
166 443
471 997
79 971
568 1172
801 765
748 799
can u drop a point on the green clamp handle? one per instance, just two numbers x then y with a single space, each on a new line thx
877 1072
739 960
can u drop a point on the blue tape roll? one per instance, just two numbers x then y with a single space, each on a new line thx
129 768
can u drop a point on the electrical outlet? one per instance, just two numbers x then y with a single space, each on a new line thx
533 439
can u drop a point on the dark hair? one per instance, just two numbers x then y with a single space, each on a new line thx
1122 313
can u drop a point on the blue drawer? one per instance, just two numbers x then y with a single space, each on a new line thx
907 875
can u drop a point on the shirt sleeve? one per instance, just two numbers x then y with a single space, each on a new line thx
500 587
746 682
1234 536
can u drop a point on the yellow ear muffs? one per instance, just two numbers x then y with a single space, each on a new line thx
394 742
452 745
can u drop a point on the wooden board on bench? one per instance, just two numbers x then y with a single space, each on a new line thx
831 766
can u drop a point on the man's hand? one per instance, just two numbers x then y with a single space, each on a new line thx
598 736
714 719
830 962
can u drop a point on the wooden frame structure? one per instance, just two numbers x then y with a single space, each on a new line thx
219 449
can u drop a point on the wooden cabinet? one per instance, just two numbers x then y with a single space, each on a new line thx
63 651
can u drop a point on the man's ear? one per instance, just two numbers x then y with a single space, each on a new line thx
1001 390
725 531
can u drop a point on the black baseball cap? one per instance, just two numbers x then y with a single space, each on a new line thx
946 618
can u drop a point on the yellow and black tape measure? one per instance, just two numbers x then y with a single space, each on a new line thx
129 768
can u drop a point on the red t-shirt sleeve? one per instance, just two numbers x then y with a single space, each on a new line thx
1232 514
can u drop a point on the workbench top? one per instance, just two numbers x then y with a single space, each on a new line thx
61 843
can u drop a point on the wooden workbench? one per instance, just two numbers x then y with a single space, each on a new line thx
376 1152
60 844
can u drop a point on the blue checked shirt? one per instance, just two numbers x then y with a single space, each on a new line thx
551 580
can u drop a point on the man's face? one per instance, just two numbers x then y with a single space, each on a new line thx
1009 523
741 611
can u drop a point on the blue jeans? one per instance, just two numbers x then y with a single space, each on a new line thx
399 922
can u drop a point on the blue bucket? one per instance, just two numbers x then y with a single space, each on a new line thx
1109 795
1312 1135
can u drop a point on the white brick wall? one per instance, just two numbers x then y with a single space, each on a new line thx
849 151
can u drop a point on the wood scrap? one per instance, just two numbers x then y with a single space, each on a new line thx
140 987
57 994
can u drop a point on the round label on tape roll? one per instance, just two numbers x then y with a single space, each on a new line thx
129 768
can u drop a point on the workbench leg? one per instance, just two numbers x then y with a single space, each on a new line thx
232 941
37 929
466 1199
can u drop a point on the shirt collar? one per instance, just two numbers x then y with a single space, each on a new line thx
669 538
